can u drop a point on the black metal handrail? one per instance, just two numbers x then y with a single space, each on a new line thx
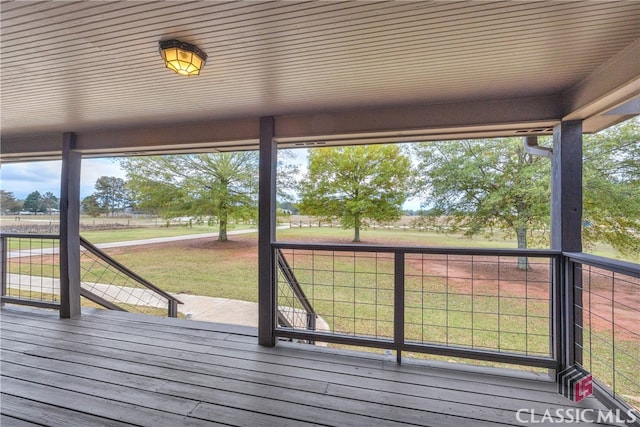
297 290
435 250
398 341
172 301
614 265
601 289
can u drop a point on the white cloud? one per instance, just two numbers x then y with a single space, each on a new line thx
92 169
24 178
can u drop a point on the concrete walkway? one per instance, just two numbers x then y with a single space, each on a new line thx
208 309
174 238
218 310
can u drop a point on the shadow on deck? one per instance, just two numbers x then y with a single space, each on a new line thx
114 368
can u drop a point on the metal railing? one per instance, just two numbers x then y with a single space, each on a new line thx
606 337
458 302
30 275
109 283
294 309
30 270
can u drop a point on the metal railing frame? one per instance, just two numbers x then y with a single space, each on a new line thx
293 283
172 302
398 342
574 285
4 298
566 282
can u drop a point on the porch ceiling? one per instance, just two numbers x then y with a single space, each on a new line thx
329 71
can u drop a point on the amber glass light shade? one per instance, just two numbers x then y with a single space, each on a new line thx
183 58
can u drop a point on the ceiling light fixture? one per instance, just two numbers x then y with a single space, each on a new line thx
183 58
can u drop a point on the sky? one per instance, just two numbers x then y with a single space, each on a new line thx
24 178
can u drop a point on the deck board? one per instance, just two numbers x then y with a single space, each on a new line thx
124 369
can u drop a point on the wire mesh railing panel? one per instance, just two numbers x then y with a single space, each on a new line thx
31 268
291 313
104 280
608 336
351 292
497 303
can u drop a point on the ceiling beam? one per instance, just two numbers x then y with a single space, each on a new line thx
614 83
502 117
406 123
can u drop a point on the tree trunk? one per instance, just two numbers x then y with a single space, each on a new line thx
356 237
521 234
222 230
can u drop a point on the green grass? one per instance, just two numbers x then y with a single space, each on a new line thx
228 270
15 244
407 237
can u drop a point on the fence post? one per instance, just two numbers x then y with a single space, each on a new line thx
173 308
398 304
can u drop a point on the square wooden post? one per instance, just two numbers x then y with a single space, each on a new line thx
267 233
70 228
566 232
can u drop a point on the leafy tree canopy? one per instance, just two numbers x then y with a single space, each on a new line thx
611 181
214 184
34 202
111 194
91 206
50 201
479 186
356 184
8 202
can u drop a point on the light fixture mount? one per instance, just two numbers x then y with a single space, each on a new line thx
183 58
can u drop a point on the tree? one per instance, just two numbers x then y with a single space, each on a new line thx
8 202
356 184
91 207
611 181
34 202
215 184
50 201
477 186
111 194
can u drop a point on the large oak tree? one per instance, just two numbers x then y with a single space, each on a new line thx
479 186
223 185
356 184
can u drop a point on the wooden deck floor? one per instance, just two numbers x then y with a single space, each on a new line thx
110 368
